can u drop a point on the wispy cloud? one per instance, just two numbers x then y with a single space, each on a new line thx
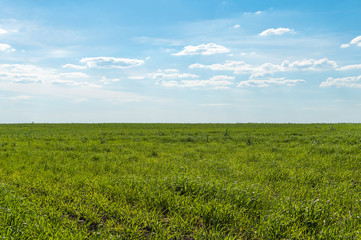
356 41
276 31
30 74
350 82
80 100
111 62
29 80
106 80
350 67
269 81
136 77
171 74
25 73
6 48
3 31
106 62
73 66
166 74
240 67
253 13
19 98
237 67
159 41
203 49
216 82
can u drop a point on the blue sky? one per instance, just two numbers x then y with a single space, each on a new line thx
180 61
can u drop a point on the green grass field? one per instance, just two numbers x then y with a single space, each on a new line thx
180 181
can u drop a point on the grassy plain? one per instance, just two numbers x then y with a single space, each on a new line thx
180 181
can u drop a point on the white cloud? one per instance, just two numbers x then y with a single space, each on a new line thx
356 41
59 53
216 82
248 53
106 80
31 80
236 26
159 41
74 66
25 73
21 97
253 13
136 77
240 67
351 82
171 74
310 65
111 62
166 74
350 67
277 31
269 81
82 100
30 74
6 48
3 31
66 82
73 75
203 49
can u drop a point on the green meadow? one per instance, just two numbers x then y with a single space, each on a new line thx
180 181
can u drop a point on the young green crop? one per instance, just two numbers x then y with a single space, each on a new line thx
180 181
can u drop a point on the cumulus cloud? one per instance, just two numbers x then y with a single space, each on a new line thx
350 82
216 82
356 41
6 48
203 49
111 62
240 67
277 31
269 81
310 65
